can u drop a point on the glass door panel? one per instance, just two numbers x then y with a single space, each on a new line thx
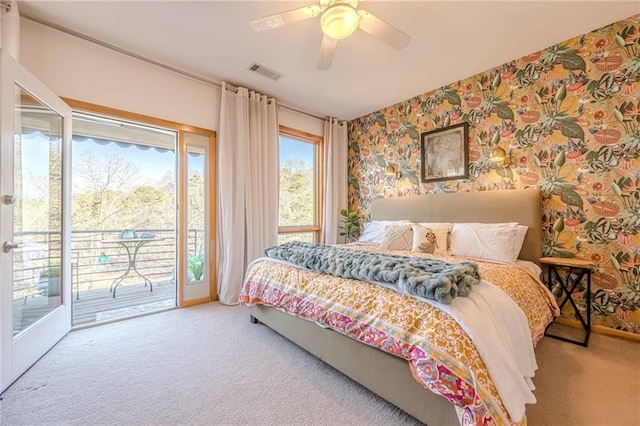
37 218
35 267
196 214
123 237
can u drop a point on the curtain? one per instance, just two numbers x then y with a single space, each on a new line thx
335 179
247 221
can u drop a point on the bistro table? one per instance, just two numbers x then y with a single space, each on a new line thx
128 244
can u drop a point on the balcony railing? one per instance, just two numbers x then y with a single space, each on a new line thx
95 262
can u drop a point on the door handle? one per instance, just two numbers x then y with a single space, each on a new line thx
8 246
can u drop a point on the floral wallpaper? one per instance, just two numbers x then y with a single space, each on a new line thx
569 118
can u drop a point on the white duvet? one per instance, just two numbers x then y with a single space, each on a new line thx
500 332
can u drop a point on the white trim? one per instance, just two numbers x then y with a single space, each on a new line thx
18 353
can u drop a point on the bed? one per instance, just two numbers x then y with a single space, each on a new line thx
387 375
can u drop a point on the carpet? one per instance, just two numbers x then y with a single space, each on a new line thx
209 365
202 365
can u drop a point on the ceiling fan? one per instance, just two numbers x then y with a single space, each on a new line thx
338 19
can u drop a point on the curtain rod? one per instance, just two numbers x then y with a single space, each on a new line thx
134 55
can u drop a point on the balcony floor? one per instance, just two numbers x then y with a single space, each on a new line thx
98 305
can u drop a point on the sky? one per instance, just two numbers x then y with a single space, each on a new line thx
294 149
153 164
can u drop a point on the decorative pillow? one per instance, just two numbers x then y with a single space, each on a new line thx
430 237
490 241
521 232
397 237
373 231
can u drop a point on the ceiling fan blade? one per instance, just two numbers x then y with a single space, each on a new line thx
280 19
381 30
327 49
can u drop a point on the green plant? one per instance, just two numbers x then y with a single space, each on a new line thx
51 272
351 224
195 265
49 283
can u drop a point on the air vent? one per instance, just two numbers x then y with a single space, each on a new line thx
267 72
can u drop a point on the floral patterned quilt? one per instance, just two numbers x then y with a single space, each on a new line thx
440 354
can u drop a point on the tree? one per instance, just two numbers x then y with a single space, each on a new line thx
296 193
195 200
104 183
147 207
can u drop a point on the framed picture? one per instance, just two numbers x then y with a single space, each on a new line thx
444 153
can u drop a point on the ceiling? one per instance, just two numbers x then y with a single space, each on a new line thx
451 40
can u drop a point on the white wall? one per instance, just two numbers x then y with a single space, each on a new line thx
299 121
81 70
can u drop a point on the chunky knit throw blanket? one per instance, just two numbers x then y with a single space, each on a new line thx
429 278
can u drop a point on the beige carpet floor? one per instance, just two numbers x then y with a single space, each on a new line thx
598 385
209 365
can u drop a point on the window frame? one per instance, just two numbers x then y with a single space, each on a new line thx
318 178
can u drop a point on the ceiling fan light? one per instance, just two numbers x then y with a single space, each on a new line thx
339 21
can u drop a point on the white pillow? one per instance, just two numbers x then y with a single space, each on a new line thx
490 241
373 231
430 237
521 232
397 237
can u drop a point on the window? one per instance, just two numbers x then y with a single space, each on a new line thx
300 213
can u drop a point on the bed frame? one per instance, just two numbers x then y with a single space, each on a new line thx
386 375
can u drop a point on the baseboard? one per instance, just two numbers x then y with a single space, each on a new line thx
599 329
193 302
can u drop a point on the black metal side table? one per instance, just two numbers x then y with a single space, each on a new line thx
575 272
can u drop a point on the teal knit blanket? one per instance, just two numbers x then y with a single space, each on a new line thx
424 277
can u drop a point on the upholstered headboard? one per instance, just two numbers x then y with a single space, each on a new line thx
517 205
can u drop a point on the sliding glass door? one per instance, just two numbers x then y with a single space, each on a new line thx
143 194
123 238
